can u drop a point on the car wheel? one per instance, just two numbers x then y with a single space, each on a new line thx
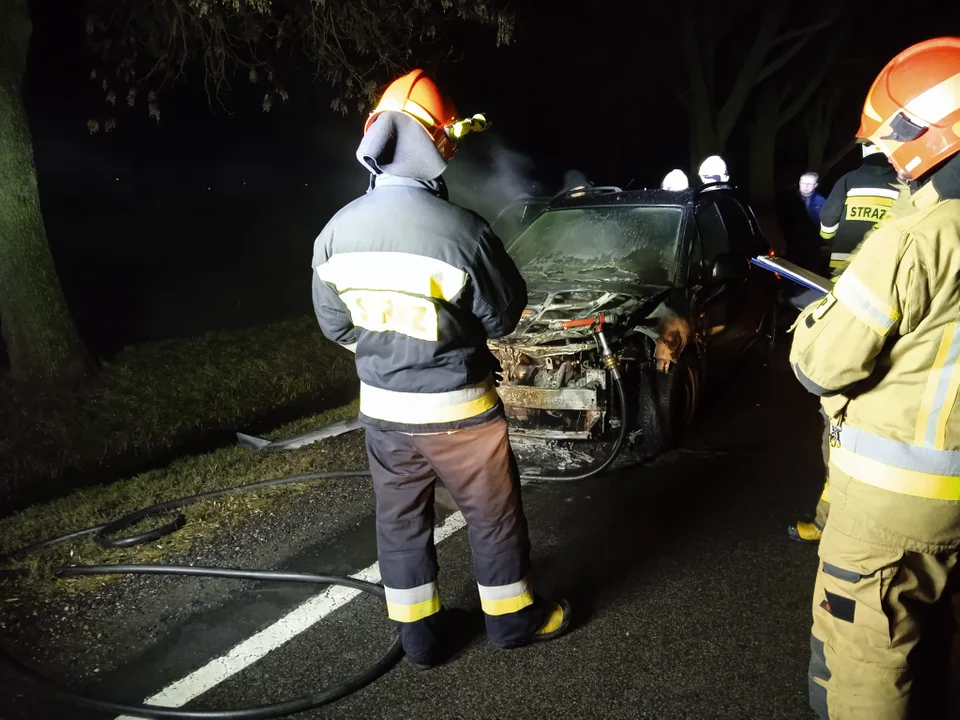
668 404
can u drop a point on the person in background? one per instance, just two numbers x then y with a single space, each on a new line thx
713 170
675 180
859 202
811 199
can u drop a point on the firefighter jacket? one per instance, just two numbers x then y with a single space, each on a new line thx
416 285
858 202
883 351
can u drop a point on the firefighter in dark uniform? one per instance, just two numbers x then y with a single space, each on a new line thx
859 201
415 286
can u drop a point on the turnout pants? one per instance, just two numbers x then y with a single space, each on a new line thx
478 468
870 601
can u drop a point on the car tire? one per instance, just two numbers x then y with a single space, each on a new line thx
668 404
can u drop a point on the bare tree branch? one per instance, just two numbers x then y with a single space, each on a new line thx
773 11
151 44
826 65
781 60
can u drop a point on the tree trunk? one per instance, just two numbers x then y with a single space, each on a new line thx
763 145
40 335
762 182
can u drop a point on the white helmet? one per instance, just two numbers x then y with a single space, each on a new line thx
868 149
675 180
713 169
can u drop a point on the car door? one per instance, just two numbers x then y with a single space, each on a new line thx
714 303
752 297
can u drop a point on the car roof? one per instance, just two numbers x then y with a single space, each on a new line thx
607 196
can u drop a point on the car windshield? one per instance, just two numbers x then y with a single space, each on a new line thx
637 243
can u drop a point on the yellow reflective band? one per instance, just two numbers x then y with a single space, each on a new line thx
412 613
412 604
402 272
930 389
894 479
866 306
507 605
505 599
426 408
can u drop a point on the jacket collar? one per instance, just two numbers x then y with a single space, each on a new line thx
436 186
925 197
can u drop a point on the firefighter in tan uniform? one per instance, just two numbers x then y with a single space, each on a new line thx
883 350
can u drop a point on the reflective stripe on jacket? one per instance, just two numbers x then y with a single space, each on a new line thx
884 350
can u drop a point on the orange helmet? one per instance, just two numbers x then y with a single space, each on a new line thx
912 111
418 96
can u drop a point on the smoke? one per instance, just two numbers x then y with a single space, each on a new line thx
486 176
574 178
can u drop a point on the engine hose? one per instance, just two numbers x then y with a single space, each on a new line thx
261 712
614 450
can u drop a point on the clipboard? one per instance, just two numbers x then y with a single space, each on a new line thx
792 272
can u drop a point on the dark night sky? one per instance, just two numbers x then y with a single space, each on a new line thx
133 225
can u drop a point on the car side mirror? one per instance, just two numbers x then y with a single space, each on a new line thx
728 267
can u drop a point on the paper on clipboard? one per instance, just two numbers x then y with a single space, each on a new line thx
797 274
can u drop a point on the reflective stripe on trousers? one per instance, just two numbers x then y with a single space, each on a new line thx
505 599
412 604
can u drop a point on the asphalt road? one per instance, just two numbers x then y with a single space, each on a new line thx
690 601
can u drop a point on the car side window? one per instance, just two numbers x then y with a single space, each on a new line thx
739 229
713 235
695 262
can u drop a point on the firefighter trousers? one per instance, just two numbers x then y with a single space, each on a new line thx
477 466
870 601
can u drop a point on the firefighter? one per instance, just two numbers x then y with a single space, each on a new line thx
713 170
675 180
415 285
859 201
883 352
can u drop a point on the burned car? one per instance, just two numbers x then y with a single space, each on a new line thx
637 300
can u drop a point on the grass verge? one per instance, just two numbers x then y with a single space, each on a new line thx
190 475
158 397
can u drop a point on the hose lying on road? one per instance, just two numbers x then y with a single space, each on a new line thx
261 712
105 534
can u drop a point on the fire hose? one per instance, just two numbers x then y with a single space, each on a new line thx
612 363
105 535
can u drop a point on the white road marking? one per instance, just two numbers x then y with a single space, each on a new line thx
283 630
